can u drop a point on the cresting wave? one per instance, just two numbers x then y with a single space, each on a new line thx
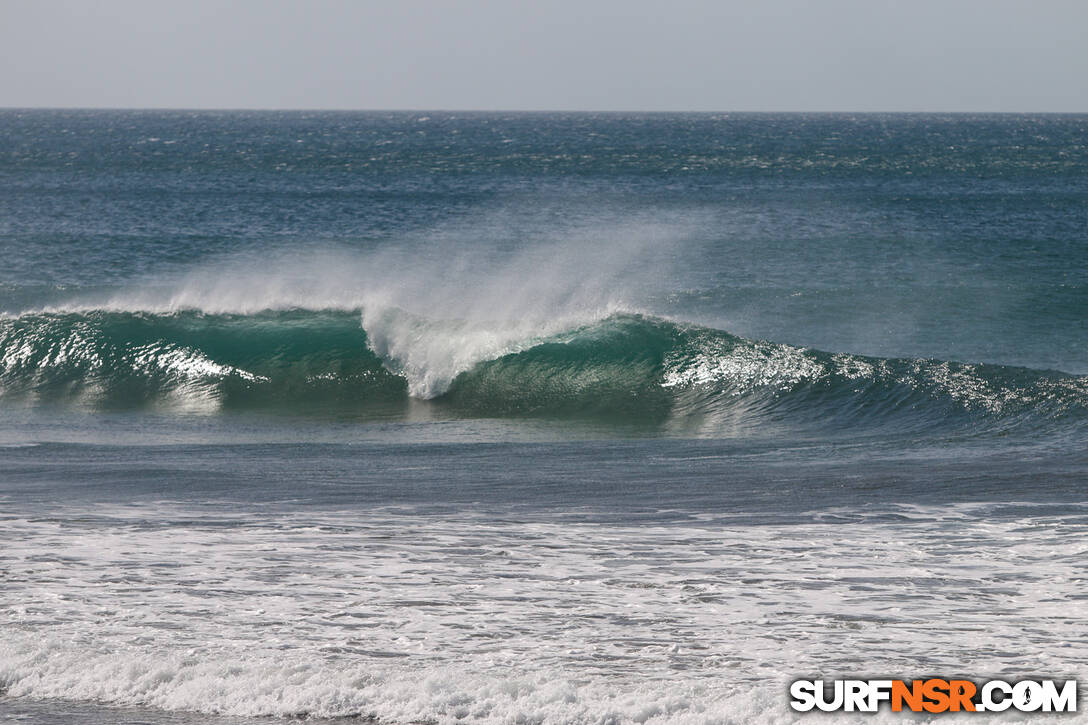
622 367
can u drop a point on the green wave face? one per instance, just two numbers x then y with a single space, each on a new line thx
627 369
119 359
613 369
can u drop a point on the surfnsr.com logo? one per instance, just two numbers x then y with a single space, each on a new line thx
934 695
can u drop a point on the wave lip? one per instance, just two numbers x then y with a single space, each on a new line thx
623 367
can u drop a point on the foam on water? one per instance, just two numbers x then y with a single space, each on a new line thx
408 617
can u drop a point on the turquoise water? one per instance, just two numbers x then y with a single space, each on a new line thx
563 416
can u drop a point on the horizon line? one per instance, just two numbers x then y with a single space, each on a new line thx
270 109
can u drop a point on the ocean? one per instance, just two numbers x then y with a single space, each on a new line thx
535 417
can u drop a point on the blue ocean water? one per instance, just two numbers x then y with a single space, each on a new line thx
535 417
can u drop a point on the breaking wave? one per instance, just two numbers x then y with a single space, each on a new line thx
622 366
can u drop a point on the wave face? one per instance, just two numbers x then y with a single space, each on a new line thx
110 359
625 368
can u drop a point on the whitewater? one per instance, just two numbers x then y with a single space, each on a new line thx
478 619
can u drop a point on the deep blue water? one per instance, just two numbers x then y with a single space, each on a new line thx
734 325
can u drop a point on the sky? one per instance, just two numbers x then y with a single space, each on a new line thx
606 55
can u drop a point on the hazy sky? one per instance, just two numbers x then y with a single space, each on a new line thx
890 55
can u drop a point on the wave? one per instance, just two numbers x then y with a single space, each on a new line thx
292 686
119 359
621 367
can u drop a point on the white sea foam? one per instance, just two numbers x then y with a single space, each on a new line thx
742 367
290 685
461 618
